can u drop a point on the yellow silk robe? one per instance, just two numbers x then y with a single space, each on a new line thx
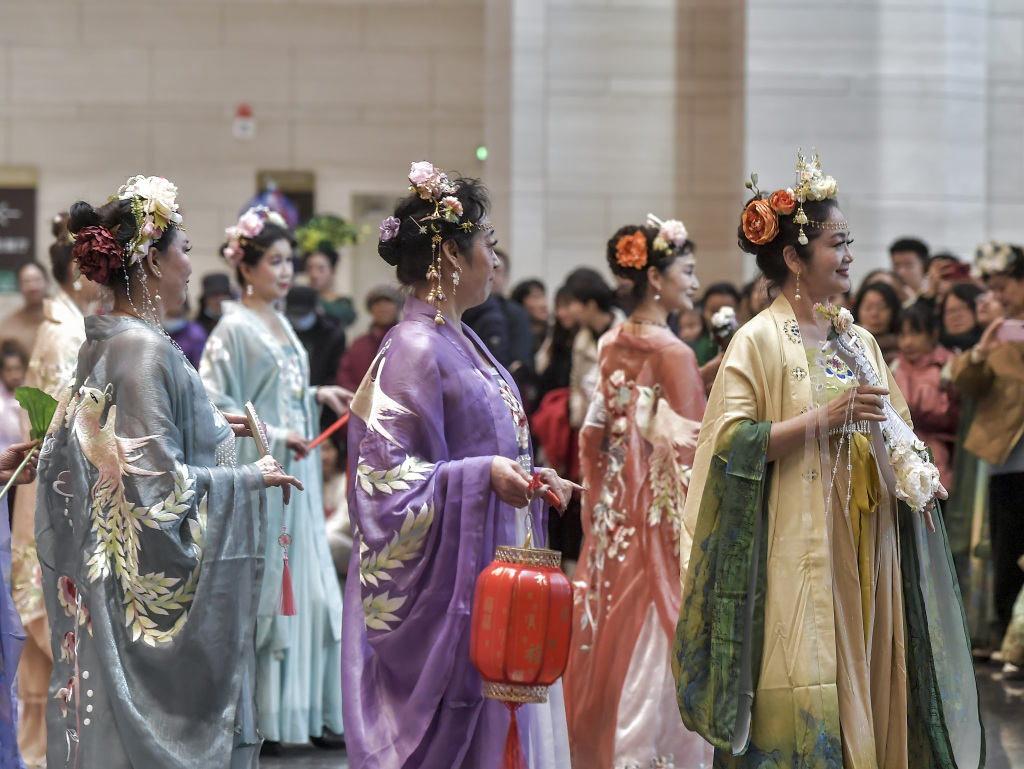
765 377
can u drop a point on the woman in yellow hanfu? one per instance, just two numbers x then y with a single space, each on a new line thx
821 625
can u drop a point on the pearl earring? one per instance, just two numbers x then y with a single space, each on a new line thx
248 290
158 297
797 297
657 297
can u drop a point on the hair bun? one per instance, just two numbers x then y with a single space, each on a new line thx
388 251
82 215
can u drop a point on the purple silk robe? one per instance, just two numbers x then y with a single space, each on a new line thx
426 423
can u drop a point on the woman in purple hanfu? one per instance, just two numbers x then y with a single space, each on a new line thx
440 456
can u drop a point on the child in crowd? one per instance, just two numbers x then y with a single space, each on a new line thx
921 371
13 364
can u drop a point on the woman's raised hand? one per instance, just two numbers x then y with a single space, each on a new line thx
337 399
510 482
274 475
867 406
12 457
296 442
562 488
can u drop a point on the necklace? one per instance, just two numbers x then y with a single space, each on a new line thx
644 322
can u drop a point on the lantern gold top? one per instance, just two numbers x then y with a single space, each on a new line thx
528 556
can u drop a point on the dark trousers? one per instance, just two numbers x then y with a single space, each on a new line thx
1006 526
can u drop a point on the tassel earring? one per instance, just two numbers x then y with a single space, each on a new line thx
797 297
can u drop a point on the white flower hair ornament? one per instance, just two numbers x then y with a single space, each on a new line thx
994 257
155 208
249 225
812 184
672 234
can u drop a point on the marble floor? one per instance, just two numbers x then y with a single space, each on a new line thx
1002 710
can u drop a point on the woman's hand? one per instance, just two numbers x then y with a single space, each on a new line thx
561 487
296 442
988 341
927 512
510 482
12 457
337 399
239 424
867 406
274 475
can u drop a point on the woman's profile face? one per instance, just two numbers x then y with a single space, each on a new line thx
175 268
272 276
679 284
875 314
1010 293
477 277
827 272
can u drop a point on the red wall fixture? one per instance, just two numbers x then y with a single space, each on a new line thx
522 623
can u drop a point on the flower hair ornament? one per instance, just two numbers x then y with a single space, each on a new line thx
672 234
249 225
761 216
994 257
631 250
154 207
432 185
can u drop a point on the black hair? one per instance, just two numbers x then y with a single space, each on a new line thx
769 256
919 318
255 247
915 246
525 287
326 249
61 248
410 250
967 293
11 349
888 294
117 218
724 289
585 285
660 260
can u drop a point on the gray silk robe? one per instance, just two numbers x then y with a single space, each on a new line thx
151 547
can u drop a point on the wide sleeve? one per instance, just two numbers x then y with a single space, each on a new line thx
421 444
150 557
223 368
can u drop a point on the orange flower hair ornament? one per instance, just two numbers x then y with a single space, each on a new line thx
631 251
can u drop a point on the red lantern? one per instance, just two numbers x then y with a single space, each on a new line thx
522 621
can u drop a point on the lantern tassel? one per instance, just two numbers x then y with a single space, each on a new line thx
513 758
286 606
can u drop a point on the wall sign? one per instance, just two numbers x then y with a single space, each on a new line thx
17 221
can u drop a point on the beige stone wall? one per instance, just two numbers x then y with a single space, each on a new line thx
896 96
616 108
92 92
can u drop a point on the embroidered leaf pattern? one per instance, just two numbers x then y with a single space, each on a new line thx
118 524
405 544
395 479
668 483
379 610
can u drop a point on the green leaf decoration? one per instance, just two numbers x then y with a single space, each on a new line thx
40 407
326 227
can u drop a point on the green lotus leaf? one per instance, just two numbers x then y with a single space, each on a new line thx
40 407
